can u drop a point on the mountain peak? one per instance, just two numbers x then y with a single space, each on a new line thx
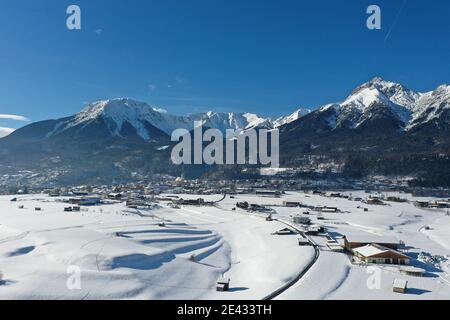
395 92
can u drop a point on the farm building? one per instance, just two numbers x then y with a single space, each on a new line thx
315 230
327 209
374 201
291 204
303 242
269 193
357 240
301 220
422 204
223 284
374 253
115 196
85 201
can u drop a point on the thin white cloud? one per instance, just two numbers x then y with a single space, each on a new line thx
13 117
151 87
5 131
160 110
99 32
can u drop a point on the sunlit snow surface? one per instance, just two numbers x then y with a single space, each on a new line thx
125 253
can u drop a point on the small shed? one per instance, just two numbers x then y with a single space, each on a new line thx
400 286
285 231
302 242
223 284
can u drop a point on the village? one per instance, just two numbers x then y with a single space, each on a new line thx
152 229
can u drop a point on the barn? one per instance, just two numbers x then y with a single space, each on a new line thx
358 240
374 253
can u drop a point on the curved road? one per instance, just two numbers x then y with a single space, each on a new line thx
279 291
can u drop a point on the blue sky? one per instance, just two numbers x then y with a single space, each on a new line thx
268 57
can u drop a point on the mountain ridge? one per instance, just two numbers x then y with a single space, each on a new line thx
119 138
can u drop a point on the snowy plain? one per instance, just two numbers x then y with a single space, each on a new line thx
126 253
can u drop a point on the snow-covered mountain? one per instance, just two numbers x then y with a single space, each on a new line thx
407 107
114 139
117 113
375 100
290 118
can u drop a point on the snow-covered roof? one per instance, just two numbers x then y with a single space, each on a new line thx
371 250
400 283
412 269
370 238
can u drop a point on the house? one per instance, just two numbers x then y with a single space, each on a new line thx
191 202
242 205
357 240
269 193
89 201
330 209
301 220
115 196
284 232
223 284
85 201
314 230
80 193
334 195
422 204
374 201
374 253
291 204
442 204
327 209
400 286
396 199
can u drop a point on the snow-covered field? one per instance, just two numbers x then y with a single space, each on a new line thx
125 253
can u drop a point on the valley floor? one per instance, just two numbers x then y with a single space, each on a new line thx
167 253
